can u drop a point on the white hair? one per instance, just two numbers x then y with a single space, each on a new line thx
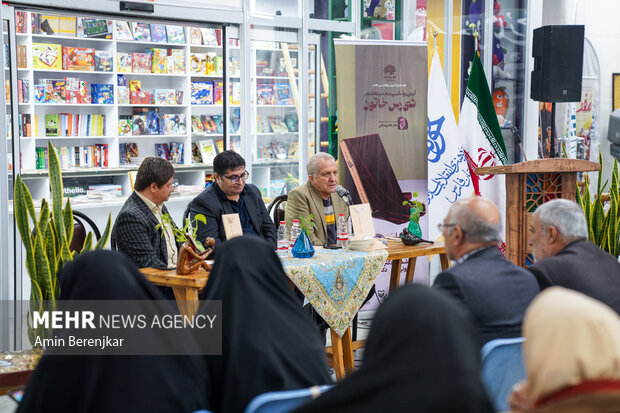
566 216
313 163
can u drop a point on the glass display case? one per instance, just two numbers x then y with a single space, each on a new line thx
502 28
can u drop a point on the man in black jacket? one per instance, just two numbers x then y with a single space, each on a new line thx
565 257
494 290
229 194
134 232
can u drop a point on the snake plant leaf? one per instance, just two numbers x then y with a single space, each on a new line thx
20 211
50 246
44 275
599 189
44 213
105 236
55 177
88 243
68 221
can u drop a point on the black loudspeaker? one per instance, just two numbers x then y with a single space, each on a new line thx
558 63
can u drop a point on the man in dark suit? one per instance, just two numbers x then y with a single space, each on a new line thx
495 291
230 194
565 257
134 232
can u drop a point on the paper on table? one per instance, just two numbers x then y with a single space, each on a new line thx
361 219
232 225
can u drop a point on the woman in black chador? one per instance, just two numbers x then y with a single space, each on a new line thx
422 355
269 342
116 383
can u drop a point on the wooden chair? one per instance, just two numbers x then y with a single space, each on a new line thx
278 205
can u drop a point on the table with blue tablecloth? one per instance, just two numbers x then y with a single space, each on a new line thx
336 283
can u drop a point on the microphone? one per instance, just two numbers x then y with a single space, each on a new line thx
344 194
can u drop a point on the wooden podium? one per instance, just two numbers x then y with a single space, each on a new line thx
528 185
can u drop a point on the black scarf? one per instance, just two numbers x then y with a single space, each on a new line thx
269 343
109 383
422 355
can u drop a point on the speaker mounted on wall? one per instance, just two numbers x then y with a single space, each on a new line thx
558 63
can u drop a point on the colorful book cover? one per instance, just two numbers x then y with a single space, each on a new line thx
291 121
72 90
123 95
48 25
123 31
122 151
235 93
194 35
277 125
202 93
177 61
218 92
208 124
52 125
209 36
103 60
264 94
197 126
124 63
78 58
102 93
153 122
162 150
141 62
176 152
121 80
210 65
139 125
141 31
219 126
233 66
196 155
55 91
174 124
235 120
46 56
175 34
135 85
125 125
99 28
39 93
158 62
283 95
197 63
158 33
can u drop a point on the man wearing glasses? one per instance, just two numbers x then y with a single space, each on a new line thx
494 290
230 194
134 233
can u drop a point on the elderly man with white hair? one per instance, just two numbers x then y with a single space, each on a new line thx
565 257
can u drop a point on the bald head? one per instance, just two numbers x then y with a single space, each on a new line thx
479 220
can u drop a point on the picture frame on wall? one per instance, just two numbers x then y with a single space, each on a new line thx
615 90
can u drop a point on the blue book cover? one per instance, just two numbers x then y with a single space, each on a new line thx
158 33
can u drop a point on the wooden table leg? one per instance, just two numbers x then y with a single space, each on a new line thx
187 300
445 262
347 352
410 270
395 277
338 355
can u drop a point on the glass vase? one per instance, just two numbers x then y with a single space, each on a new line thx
303 246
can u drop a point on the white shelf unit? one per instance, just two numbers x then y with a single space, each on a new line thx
188 173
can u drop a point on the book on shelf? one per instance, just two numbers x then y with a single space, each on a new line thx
123 30
235 120
124 62
25 125
210 63
176 152
175 34
125 125
207 151
47 56
264 94
291 121
141 62
235 93
128 153
162 150
74 187
96 28
194 35
233 66
74 124
202 93
210 36
279 150
103 60
122 95
283 94
141 31
197 126
78 58
23 90
220 145
102 93
22 56
89 156
196 155
20 22
47 24
174 124
154 125
277 124
67 26
198 63
218 92
158 33
175 61
158 60
51 124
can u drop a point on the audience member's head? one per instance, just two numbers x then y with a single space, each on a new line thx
555 224
422 355
115 383
269 342
323 173
229 172
571 340
471 223
154 179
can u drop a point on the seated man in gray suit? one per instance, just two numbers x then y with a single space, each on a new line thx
318 197
494 290
134 232
230 194
565 257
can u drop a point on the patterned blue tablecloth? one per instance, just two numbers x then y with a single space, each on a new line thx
336 282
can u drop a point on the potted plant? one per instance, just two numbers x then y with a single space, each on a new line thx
192 254
416 209
46 238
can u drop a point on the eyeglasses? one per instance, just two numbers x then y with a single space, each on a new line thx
441 226
235 178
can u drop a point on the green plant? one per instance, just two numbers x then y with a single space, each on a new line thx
290 179
602 217
46 239
188 229
306 223
416 207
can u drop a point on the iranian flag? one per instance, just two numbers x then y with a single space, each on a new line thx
482 137
448 173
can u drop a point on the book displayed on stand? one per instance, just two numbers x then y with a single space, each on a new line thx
109 93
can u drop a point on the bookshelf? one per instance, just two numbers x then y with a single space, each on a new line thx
103 88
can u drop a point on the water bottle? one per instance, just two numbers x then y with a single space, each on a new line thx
342 229
283 240
295 230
